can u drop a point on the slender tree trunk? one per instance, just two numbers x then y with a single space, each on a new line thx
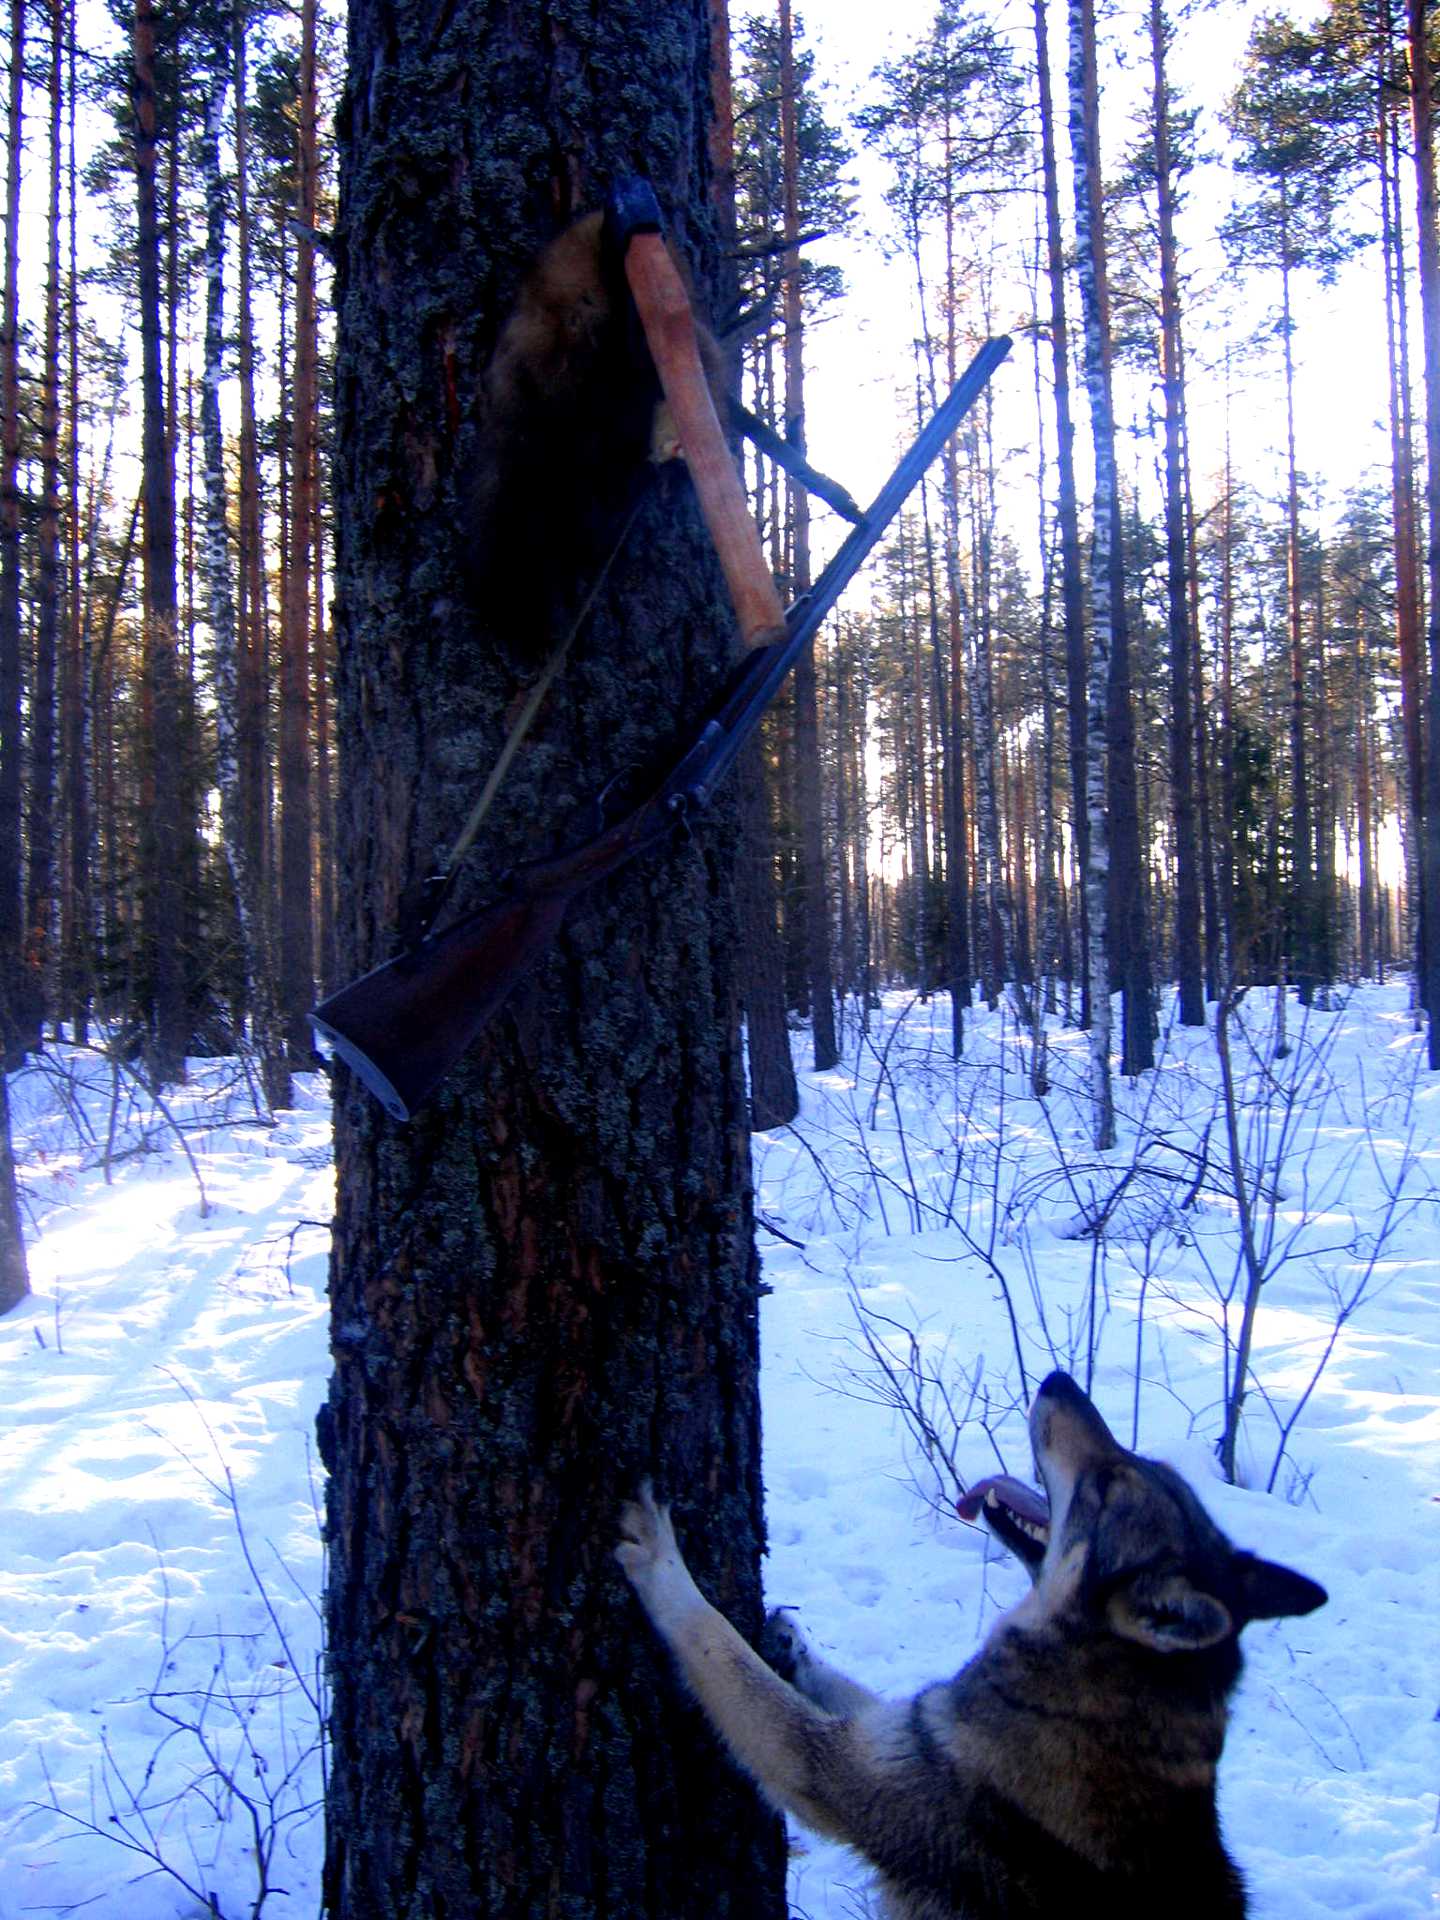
1361 709
1084 146
323 661
40 811
774 1096
1072 583
1189 956
1408 613
1303 969
252 677
76 934
1323 811
1428 240
544 1288
12 940
14 1276
814 891
1203 746
163 834
297 925
219 589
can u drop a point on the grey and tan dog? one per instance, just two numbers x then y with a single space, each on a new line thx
1073 1757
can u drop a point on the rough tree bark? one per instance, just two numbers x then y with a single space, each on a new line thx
1422 112
814 902
40 808
1189 953
297 921
163 830
545 1286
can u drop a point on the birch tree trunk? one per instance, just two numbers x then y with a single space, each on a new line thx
1089 237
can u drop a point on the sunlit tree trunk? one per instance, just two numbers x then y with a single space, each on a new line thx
1072 585
40 811
297 924
1084 147
814 891
1428 212
1189 956
163 832
1408 635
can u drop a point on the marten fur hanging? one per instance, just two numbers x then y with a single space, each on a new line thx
571 414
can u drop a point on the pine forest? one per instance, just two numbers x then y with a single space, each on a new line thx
1138 709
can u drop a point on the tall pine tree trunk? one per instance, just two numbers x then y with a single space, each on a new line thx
1072 584
545 1287
1409 638
1303 969
252 727
14 1277
76 930
40 812
1189 956
297 925
163 830
814 890
1422 111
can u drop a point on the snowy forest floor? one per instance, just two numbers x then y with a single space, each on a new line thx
927 1231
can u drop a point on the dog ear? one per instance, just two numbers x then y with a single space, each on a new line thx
1268 1591
1168 1615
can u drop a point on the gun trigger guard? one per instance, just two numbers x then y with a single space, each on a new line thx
600 805
421 908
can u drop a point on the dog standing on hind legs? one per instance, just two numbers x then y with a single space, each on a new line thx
1074 1756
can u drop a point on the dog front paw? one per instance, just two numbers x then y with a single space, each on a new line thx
650 1556
783 1647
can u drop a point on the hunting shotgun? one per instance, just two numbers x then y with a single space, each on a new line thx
403 1026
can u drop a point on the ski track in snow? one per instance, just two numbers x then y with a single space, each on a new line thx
192 1355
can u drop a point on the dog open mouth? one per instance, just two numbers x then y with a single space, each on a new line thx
1017 1514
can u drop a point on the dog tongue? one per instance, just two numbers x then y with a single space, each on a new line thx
1025 1501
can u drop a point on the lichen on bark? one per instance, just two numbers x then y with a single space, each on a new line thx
544 1286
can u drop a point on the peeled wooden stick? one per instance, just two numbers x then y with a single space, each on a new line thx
664 309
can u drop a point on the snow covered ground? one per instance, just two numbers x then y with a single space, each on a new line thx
925 1238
